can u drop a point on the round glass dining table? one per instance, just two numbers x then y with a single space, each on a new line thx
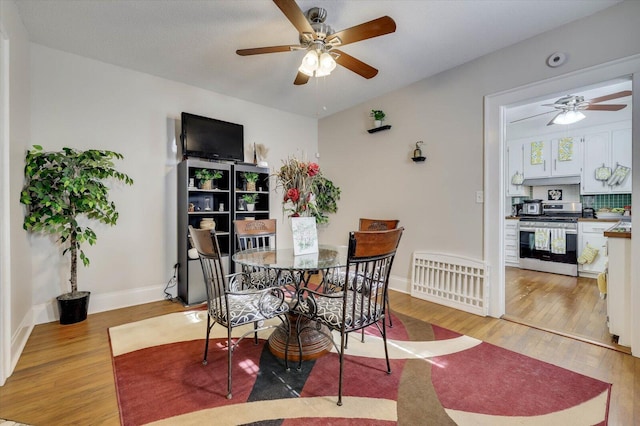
302 267
326 258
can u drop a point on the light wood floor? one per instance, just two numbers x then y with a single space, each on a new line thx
559 303
65 375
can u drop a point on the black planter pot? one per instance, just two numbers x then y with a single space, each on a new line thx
73 307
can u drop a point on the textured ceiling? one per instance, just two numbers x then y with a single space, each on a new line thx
194 41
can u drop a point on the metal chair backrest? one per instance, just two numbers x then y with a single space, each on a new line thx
377 224
255 233
206 243
370 257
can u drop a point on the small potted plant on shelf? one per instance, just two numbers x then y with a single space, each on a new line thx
378 117
206 177
63 189
251 178
250 200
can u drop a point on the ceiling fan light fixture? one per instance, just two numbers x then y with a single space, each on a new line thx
309 63
317 64
327 63
569 117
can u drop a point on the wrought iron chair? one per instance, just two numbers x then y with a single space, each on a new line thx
361 302
337 277
379 225
230 305
260 234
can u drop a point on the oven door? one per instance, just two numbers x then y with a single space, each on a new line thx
528 250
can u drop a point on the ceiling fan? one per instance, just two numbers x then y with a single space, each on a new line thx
320 41
568 108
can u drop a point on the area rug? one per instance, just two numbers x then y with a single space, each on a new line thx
439 377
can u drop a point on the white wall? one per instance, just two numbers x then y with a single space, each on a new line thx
15 278
436 200
84 104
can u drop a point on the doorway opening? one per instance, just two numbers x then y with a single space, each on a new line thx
495 175
544 289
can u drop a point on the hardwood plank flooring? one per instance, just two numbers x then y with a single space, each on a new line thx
570 306
65 374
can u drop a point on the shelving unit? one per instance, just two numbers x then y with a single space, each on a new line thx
220 204
261 210
206 203
378 129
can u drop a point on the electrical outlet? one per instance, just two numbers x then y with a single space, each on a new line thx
479 197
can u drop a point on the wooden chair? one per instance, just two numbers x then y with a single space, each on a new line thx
337 278
362 302
377 224
230 305
260 234
255 233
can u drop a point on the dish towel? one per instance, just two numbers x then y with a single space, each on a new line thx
542 239
558 241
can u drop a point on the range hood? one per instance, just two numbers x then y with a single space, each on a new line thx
550 181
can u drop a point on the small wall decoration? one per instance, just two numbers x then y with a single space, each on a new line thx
417 153
536 152
554 194
565 149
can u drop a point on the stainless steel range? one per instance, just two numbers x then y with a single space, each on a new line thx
549 241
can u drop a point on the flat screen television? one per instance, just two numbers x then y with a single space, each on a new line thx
204 137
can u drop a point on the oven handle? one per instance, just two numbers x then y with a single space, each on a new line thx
568 231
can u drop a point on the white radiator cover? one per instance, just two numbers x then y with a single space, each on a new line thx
453 281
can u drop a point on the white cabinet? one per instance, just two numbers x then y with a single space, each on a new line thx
621 156
607 150
619 289
537 159
553 157
566 156
511 242
592 233
515 168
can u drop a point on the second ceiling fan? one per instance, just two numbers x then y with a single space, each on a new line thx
321 41
568 108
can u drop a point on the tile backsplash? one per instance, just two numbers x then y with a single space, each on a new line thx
572 193
608 200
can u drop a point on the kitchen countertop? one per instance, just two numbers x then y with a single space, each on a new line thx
619 230
580 219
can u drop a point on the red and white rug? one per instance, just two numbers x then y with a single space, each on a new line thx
438 377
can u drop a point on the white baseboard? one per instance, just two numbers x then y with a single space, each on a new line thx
48 312
399 284
19 339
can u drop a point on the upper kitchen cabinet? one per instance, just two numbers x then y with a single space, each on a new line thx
515 168
607 162
553 157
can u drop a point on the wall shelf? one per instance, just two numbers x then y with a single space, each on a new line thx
377 129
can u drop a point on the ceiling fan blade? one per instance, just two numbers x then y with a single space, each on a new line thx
609 107
617 95
375 28
301 78
531 116
554 117
295 16
269 49
355 65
